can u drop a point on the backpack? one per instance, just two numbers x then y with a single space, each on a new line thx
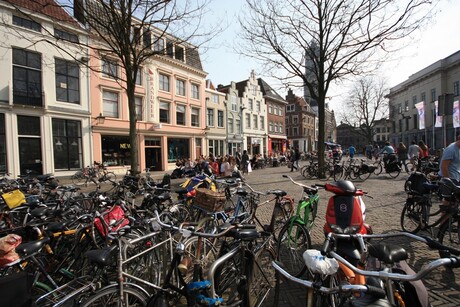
415 183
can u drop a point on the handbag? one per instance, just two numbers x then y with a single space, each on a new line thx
14 198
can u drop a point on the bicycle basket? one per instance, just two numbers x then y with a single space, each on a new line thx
209 200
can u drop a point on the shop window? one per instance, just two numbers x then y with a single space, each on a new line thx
27 77
67 81
67 144
178 149
116 150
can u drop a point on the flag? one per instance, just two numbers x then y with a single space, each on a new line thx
456 114
438 117
421 114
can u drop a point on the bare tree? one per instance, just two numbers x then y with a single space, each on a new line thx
128 31
313 43
366 104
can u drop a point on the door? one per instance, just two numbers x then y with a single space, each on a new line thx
30 155
153 158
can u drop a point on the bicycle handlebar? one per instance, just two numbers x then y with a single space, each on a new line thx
313 188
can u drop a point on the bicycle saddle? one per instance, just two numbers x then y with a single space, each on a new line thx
278 193
241 192
100 256
29 248
388 254
243 234
447 187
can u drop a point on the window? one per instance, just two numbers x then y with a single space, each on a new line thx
179 53
248 120
254 89
295 131
287 120
456 88
262 123
234 102
178 149
65 36
139 109
250 104
164 112
254 122
230 125
67 144
195 91
67 81
158 44
169 49
270 127
180 87
423 96
116 150
164 82
180 115
109 69
433 95
277 128
220 118
290 108
210 117
27 77
406 105
399 108
195 117
238 126
414 100
276 110
3 165
280 111
139 76
214 98
110 103
281 127
295 119
270 108
26 23
258 106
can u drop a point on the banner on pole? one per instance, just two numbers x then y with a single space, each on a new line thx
438 122
421 114
456 114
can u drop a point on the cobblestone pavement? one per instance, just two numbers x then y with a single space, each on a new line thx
383 214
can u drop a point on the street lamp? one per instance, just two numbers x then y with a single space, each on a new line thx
100 119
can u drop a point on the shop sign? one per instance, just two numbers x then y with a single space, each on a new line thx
125 146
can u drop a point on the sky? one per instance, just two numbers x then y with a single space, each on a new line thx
437 41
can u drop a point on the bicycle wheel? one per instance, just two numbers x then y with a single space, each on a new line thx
262 278
378 169
229 279
208 255
339 171
78 178
449 232
110 177
111 297
293 241
353 172
411 217
363 174
394 172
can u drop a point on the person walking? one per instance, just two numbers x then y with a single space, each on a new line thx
402 155
245 161
351 151
450 161
414 154
424 153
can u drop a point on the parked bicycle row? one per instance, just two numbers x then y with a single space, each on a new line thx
204 246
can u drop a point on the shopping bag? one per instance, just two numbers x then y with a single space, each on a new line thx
249 168
14 198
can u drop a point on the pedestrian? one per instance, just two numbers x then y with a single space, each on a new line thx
414 154
424 152
369 151
238 157
351 151
450 161
214 166
402 155
245 161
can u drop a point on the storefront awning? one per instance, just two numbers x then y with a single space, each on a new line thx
275 136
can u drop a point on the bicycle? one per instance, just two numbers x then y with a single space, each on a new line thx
329 291
96 174
294 236
415 215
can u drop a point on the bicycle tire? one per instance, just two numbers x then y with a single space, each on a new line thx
208 255
354 172
339 172
363 175
78 178
110 297
395 173
110 177
262 278
229 278
411 217
449 232
378 169
293 241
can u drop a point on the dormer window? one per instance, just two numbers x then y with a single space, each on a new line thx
27 23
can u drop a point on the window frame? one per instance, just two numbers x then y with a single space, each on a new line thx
166 111
183 114
209 117
181 90
26 23
220 118
106 101
67 77
139 107
109 69
23 66
192 115
195 90
164 82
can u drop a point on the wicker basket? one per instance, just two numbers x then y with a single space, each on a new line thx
208 200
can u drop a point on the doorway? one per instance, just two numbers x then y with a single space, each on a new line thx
30 155
153 158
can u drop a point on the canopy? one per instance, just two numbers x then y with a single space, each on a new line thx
332 144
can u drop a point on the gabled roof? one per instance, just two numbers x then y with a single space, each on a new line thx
46 7
269 92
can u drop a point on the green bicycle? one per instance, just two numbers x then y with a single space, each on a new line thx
294 237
